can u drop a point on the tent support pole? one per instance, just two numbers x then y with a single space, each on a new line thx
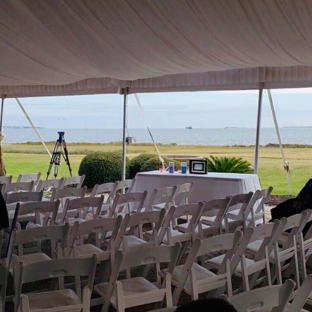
2 111
258 128
285 163
124 133
33 126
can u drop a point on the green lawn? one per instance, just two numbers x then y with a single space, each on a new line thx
27 158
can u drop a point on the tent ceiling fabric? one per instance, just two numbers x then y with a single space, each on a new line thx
99 46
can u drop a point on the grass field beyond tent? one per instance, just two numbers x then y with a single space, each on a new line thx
31 157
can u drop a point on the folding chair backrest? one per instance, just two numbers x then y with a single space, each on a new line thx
99 226
42 209
240 201
182 194
56 268
262 199
28 177
23 197
164 196
70 192
302 295
223 242
263 298
131 201
126 185
49 185
81 206
3 285
17 187
77 181
6 179
216 208
105 188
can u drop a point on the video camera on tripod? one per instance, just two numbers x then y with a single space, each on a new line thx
60 149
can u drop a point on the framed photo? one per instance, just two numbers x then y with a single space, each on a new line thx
198 166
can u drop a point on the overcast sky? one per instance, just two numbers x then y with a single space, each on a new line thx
164 110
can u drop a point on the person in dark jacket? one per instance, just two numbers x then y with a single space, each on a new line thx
4 217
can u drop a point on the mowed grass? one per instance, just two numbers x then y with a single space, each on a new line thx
27 158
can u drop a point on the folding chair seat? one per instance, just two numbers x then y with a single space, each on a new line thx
108 190
264 299
126 203
162 198
215 209
99 228
18 187
56 234
75 182
136 291
135 223
54 300
239 203
196 279
77 209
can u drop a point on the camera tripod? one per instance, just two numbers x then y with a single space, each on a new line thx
59 149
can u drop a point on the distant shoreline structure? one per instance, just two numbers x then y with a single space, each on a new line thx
189 127
21 127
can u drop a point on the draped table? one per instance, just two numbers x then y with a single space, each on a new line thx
207 186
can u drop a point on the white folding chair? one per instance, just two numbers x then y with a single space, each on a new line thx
22 197
162 198
78 208
47 186
134 224
108 190
302 296
196 279
38 212
257 215
183 193
3 280
18 187
99 227
137 291
126 203
74 181
54 300
126 186
6 179
215 210
264 298
28 177
56 234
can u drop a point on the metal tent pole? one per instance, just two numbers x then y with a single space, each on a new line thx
285 163
258 128
124 133
2 111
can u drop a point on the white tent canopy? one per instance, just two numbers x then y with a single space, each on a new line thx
100 46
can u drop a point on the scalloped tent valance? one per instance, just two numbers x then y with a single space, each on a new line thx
85 47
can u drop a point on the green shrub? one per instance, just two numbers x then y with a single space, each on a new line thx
228 164
155 164
101 167
136 163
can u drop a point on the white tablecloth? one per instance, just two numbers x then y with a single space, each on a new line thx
207 186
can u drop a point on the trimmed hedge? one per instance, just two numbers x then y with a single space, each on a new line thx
155 164
136 163
101 167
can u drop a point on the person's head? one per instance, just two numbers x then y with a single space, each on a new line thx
207 305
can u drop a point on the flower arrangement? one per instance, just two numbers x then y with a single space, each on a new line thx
1 135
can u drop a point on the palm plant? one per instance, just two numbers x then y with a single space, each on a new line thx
228 164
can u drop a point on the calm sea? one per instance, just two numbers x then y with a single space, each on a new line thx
224 136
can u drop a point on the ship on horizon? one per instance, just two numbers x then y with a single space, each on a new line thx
189 127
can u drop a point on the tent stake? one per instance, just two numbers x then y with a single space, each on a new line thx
124 134
285 163
258 128
33 126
